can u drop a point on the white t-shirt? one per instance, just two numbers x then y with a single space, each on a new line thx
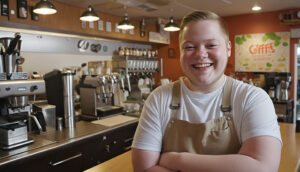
252 110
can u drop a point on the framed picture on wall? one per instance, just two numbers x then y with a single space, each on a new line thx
171 52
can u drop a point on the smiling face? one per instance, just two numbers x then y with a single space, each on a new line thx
204 54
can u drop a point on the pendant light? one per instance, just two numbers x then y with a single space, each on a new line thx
171 26
89 15
125 24
44 7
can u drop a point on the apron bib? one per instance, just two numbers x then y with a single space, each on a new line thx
215 137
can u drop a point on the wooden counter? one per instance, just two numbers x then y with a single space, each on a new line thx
290 153
289 156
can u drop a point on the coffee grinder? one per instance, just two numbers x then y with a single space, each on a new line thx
271 83
14 91
60 92
283 86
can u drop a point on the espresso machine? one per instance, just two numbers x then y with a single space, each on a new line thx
15 87
98 94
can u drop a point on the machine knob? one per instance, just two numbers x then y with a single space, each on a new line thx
33 88
7 88
107 148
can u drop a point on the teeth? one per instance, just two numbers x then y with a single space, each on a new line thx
202 65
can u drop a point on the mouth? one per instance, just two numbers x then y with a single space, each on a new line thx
202 65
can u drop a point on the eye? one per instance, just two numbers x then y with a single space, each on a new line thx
211 45
189 47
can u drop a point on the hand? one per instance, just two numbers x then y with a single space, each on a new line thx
170 160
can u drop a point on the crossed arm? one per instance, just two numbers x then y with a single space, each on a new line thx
256 154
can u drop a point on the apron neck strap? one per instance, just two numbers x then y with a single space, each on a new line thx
175 96
226 107
175 105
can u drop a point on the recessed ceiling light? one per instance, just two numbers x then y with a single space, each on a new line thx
256 8
227 1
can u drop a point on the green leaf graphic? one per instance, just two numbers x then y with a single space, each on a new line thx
276 43
285 44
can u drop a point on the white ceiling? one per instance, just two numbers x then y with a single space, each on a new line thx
178 8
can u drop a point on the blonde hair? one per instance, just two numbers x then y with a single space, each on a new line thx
201 16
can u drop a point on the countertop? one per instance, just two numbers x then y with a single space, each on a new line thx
55 139
289 156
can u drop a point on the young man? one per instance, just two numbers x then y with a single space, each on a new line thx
207 121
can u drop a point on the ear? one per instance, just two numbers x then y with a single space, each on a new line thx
228 48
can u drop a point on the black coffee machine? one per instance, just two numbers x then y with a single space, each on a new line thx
271 83
278 87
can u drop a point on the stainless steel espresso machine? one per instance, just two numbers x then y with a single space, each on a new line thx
98 94
15 88
137 69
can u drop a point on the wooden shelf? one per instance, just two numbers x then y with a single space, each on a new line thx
290 22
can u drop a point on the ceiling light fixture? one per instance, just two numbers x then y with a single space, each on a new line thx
44 7
125 24
256 8
89 15
171 26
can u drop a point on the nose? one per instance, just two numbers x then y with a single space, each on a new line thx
201 52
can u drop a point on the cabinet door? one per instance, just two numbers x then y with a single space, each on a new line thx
111 143
66 158
70 158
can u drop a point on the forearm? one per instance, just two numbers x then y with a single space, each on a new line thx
234 162
187 162
257 154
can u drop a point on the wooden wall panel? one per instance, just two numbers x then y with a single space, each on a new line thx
67 20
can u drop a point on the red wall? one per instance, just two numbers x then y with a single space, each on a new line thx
257 23
171 65
241 24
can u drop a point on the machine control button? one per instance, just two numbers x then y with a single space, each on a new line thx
33 88
7 88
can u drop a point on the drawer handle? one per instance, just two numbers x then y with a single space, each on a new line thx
128 140
65 160
127 148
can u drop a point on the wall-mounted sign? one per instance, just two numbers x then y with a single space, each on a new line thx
266 52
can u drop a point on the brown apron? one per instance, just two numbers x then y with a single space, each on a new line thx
215 137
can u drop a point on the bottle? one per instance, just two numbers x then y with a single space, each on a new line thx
297 116
251 82
142 27
297 124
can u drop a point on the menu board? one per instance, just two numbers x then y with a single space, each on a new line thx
266 52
